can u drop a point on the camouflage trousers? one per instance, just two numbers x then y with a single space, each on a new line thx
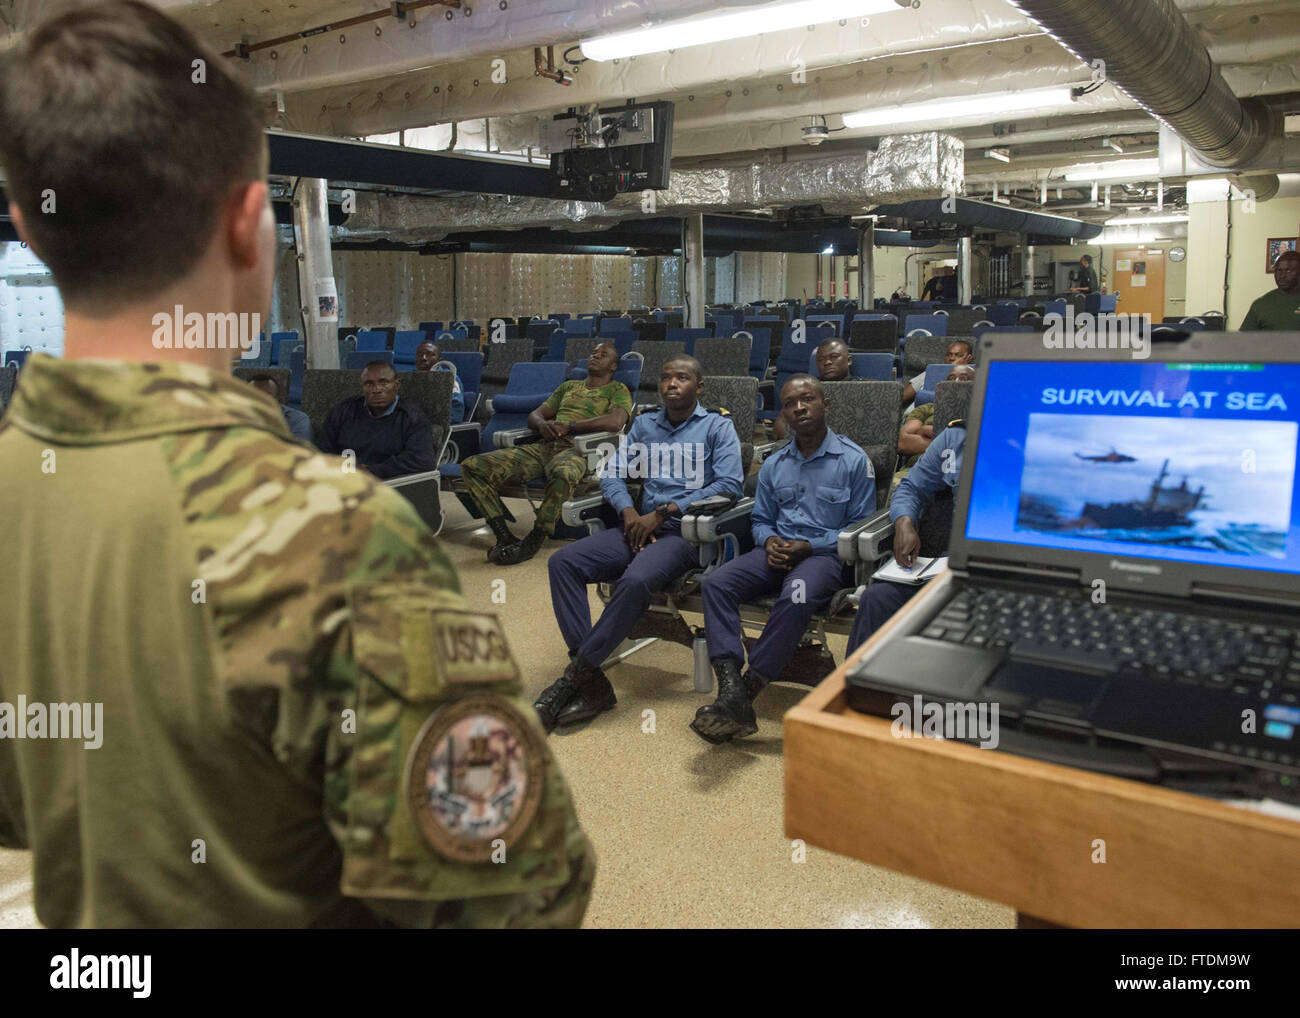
486 474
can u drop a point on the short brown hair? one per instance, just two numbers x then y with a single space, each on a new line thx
100 106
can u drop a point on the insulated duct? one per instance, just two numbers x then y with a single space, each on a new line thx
1153 53
903 168
989 217
722 236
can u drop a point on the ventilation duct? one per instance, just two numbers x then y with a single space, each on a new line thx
903 168
1154 54
722 235
989 217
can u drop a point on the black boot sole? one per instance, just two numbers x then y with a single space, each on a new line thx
718 728
600 707
516 554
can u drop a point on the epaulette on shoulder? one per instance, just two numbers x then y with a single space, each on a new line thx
647 408
960 422
720 410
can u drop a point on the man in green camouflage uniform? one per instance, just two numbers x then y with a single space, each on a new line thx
579 406
297 721
917 431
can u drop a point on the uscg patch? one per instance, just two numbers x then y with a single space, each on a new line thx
471 647
476 774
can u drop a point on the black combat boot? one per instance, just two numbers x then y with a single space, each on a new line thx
523 550
555 697
595 695
505 538
732 713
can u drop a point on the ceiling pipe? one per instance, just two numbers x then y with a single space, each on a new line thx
1153 54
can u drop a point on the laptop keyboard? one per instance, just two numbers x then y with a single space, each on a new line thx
1063 630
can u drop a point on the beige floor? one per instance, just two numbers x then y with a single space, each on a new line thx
687 834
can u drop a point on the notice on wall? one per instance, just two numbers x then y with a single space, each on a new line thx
326 299
1138 280
1123 264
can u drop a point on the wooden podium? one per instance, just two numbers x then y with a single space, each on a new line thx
1026 833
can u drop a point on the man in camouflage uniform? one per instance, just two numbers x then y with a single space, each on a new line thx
300 724
578 406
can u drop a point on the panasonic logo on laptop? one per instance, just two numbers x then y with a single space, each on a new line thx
1128 567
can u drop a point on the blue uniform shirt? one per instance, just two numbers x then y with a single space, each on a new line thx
682 463
299 423
938 466
457 392
813 499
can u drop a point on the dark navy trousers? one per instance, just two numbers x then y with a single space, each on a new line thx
878 604
606 556
749 576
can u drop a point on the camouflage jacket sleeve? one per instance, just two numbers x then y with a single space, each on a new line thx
327 590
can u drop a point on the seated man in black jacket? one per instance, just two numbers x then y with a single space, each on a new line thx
389 438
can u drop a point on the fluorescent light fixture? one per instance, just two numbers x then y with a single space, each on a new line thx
1119 169
738 24
991 106
1143 220
998 154
830 249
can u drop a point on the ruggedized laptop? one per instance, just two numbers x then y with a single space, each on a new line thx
1126 560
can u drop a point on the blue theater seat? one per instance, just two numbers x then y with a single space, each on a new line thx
405 344
358 359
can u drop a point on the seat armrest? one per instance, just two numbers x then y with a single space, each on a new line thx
405 479
879 528
510 437
590 441
701 526
577 512
847 546
467 426
762 450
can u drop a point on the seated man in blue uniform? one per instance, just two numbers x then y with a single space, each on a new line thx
427 355
807 493
388 437
936 471
684 453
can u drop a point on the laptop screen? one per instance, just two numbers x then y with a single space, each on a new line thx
1190 462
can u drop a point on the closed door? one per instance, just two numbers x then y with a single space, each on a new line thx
1138 276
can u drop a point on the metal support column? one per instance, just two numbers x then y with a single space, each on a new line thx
311 234
963 270
867 266
693 292
1027 266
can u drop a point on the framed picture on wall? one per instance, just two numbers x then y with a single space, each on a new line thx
1276 245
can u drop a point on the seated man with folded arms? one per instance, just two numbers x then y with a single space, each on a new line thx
917 431
807 493
578 406
389 438
938 469
686 454
427 355
834 364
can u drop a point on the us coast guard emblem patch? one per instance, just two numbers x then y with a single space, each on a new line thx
475 775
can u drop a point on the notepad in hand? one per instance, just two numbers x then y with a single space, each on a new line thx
923 569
